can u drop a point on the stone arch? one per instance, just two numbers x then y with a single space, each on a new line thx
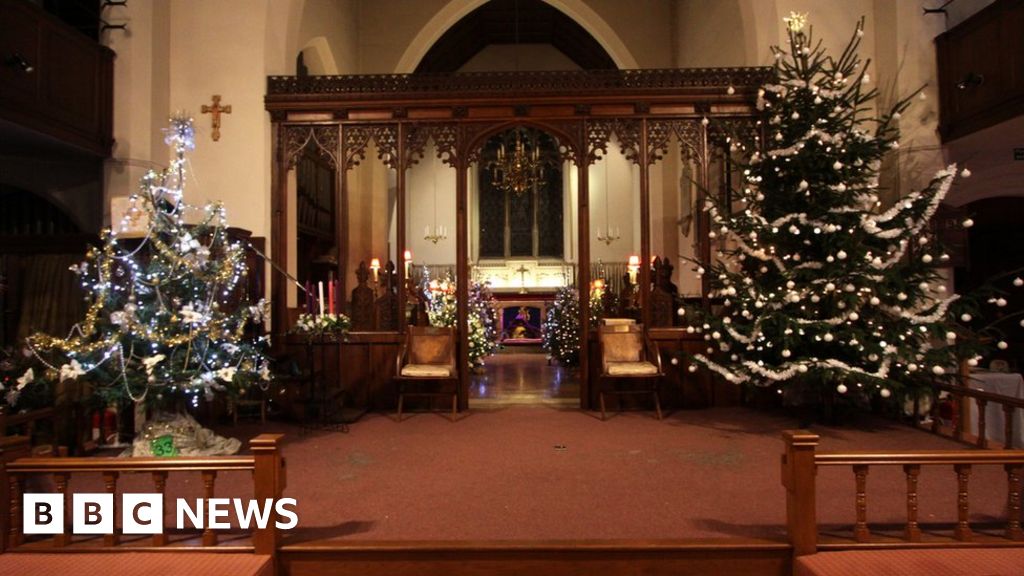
319 56
455 10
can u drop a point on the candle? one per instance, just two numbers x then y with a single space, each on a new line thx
374 267
330 297
320 292
408 263
634 267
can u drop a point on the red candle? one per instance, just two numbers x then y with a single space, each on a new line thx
330 296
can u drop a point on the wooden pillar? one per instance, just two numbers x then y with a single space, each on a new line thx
278 234
583 271
268 483
400 226
798 477
703 219
341 220
462 280
645 228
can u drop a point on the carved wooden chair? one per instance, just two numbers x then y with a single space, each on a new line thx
630 364
427 357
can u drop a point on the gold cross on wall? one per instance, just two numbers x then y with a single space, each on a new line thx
215 111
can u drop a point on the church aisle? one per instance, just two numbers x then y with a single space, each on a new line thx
523 378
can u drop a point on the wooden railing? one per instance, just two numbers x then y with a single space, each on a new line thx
801 462
981 399
266 465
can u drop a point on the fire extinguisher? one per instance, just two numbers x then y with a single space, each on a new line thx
95 426
110 435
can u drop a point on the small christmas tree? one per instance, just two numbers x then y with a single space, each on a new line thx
167 314
442 310
822 289
562 327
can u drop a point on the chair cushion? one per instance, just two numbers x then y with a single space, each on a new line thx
621 346
631 369
431 349
426 370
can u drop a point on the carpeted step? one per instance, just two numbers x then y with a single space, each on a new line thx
913 562
134 564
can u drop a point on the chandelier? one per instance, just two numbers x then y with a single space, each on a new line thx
520 169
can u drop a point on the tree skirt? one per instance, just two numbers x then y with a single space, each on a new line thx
180 435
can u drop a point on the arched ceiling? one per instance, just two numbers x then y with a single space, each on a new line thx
495 23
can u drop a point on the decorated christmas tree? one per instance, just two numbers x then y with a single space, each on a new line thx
562 327
822 288
168 314
561 338
442 310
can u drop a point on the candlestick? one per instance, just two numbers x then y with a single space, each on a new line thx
374 268
320 292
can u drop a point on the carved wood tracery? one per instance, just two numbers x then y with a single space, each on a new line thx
358 138
322 137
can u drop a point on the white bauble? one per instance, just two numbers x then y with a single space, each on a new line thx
901 296
675 361
1001 302
801 369
938 370
837 165
875 301
967 223
1002 345
885 393
828 337
854 316
965 173
786 353
1018 282
841 255
841 388
692 368
911 367
927 258
965 318
972 362
681 311
950 336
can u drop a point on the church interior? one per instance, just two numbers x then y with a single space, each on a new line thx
495 286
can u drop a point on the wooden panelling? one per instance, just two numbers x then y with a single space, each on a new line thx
981 70
55 80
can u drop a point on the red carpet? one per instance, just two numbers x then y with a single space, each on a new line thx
535 473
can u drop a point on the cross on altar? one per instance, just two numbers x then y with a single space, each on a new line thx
215 111
522 278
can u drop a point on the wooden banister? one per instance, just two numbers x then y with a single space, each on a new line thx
266 465
982 398
798 473
800 463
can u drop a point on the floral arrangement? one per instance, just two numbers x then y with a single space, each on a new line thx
322 324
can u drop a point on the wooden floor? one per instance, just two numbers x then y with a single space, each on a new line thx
523 378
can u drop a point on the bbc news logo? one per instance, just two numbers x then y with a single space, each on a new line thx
143 513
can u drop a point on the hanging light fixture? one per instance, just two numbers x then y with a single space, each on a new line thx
520 169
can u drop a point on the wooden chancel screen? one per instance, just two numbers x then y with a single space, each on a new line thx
398 121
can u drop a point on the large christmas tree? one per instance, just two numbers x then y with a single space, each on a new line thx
822 288
168 314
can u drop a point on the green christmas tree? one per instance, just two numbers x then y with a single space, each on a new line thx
167 314
442 310
822 288
562 327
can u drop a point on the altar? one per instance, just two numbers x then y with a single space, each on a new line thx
523 290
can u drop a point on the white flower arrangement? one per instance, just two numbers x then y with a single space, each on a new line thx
322 324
